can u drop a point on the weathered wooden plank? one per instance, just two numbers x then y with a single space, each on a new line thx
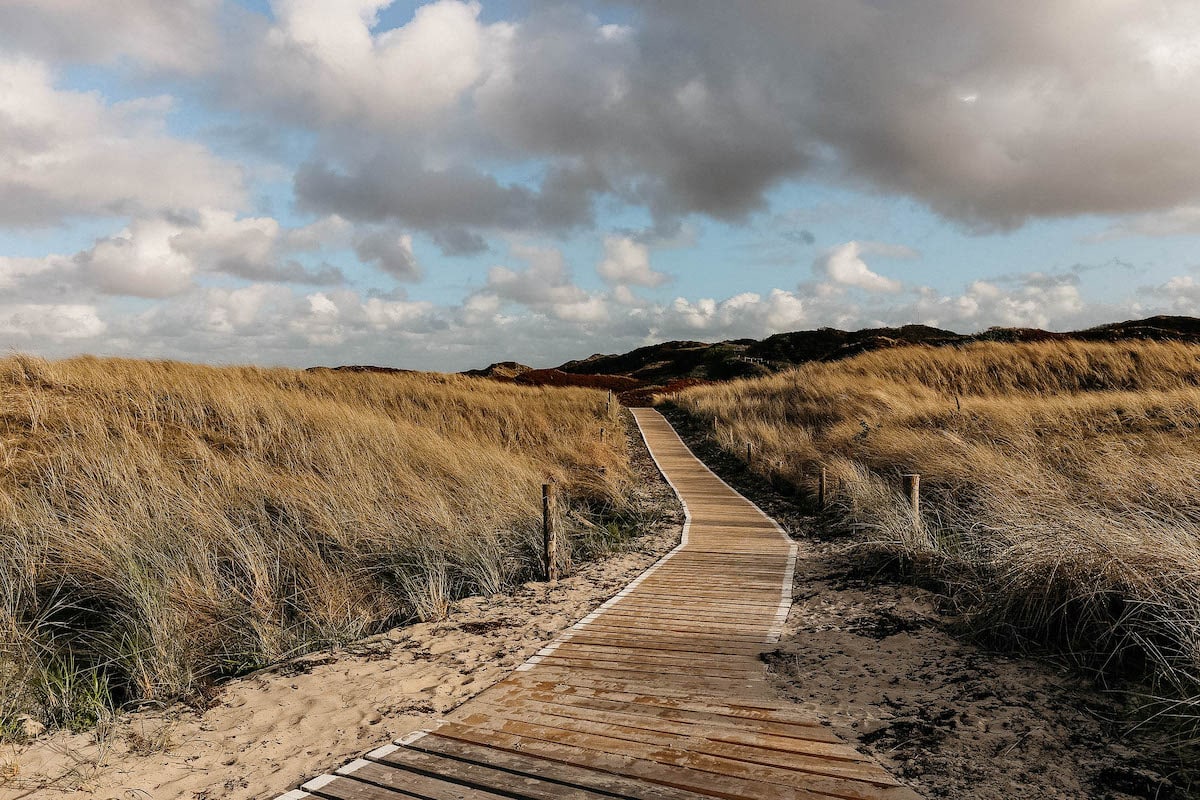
612 783
659 695
486 776
735 759
699 772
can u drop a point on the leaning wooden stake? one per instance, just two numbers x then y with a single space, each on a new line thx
549 534
821 488
912 487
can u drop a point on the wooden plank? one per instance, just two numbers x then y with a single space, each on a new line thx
482 776
725 717
659 721
526 764
647 771
659 695
715 721
674 644
747 712
683 769
632 662
748 758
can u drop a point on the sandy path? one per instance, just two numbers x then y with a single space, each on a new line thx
879 660
265 733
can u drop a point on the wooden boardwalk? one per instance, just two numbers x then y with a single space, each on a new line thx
659 694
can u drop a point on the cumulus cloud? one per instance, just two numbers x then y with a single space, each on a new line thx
29 323
178 35
467 130
139 261
1037 301
389 252
988 114
321 62
69 153
544 285
158 257
844 266
392 186
627 263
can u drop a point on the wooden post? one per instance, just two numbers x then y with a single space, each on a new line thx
912 487
608 403
549 534
602 434
749 453
821 487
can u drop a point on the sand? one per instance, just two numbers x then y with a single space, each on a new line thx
265 733
875 658
879 660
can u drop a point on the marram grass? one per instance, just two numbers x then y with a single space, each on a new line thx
163 524
1060 485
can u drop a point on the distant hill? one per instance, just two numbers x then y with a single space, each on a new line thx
502 370
670 365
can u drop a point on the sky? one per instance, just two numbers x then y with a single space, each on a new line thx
444 185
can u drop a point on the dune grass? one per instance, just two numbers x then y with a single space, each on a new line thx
165 524
1060 487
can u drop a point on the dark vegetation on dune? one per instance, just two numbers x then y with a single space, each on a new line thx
659 367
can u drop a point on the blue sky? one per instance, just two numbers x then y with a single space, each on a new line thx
443 185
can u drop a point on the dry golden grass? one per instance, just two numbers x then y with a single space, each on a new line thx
163 524
1060 484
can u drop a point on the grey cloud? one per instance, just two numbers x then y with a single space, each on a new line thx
284 271
989 113
390 252
455 241
803 237
395 188
646 110
179 35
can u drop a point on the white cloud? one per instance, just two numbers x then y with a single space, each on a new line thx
162 256
32 323
158 257
545 285
321 62
68 154
843 265
627 263
1037 301
177 35
140 261
1180 221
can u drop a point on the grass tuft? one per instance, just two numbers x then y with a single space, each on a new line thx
1059 485
166 524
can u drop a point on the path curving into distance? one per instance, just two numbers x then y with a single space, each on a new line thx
659 694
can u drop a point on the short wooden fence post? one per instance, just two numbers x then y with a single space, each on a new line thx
749 453
549 534
822 488
912 487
